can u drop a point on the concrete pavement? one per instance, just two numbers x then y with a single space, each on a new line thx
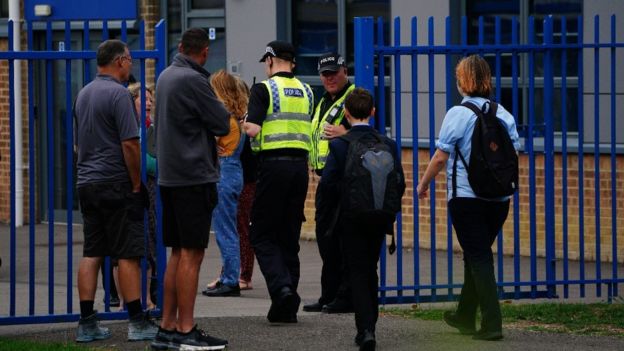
242 319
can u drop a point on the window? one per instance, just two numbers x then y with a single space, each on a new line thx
364 8
206 4
321 26
506 10
174 26
315 32
4 8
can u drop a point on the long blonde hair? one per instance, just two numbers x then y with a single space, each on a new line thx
228 89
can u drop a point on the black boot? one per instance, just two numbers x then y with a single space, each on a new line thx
487 293
464 318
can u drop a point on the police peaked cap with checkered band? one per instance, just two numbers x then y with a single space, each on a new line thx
280 49
330 62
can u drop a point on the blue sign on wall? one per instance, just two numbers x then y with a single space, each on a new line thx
58 10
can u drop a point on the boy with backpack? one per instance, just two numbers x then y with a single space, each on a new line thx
364 174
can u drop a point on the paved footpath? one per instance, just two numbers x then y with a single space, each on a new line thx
242 320
335 332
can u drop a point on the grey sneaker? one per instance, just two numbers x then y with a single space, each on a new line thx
141 327
197 339
89 329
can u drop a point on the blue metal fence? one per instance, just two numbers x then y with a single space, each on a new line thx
546 61
47 57
415 279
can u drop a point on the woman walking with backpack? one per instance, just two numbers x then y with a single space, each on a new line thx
477 212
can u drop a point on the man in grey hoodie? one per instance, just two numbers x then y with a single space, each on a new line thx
189 119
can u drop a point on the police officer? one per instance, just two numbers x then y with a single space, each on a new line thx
279 123
329 123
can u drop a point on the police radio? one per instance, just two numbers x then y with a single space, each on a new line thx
333 114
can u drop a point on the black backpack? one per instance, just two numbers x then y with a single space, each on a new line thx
372 186
493 167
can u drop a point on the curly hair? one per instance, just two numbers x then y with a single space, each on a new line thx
474 77
229 91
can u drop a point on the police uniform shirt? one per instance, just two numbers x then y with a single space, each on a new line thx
259 101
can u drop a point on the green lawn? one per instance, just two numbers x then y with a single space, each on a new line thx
20 345
586 319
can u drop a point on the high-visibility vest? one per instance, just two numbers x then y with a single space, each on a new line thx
320 146
287 124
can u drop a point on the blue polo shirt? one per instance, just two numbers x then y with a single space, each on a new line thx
105 117
457 128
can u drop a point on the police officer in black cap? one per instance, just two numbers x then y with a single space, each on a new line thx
279 125
329 123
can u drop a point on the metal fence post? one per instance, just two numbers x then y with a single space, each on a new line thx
364 66
549 159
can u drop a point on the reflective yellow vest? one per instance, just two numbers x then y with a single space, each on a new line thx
320 146
287 124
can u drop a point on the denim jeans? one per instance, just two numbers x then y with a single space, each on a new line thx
224 218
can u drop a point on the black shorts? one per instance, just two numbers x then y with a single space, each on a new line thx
187 215
109 229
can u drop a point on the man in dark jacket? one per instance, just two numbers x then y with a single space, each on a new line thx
189 119
362 238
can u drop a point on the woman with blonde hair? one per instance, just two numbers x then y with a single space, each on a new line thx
476 220
230 184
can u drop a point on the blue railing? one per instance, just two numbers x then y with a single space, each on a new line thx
539 70
45 60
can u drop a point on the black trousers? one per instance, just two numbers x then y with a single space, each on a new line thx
477 223
276 217
362 246
334 273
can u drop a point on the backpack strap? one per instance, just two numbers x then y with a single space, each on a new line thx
480 113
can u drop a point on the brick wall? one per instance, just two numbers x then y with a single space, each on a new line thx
572 219
149 12
5 185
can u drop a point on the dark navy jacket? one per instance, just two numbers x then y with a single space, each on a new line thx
335 165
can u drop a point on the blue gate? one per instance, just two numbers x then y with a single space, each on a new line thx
563 228
22 307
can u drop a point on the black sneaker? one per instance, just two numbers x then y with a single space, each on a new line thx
164 340
223 291
488 336
453 320
338 306
368 342
114 302
197 339
284 308
359 337
313 307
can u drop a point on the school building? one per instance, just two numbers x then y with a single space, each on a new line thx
240 30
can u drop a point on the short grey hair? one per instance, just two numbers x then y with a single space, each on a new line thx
109 50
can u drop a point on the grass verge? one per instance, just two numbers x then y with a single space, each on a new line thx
20 345
582 319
